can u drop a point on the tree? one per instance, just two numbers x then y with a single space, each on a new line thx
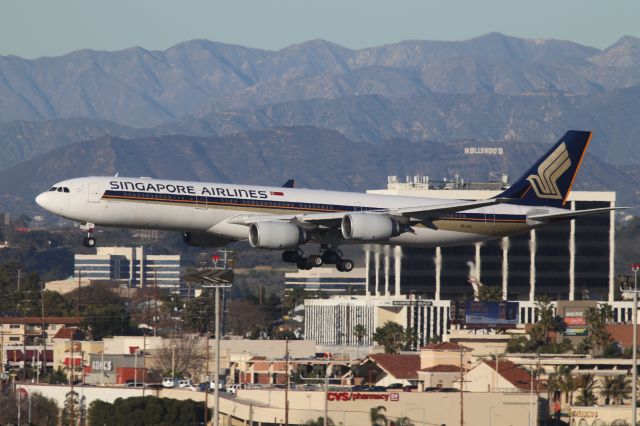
615 389
597 319
186 357
43 409
359 331
199 314
245 316
565 380
71 409
404 421
490 293
391 335
586 386
547 319
377 416
319 422
145 411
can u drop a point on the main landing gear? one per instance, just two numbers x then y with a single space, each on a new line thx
88 241
329 256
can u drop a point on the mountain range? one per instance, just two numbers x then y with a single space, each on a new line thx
207 110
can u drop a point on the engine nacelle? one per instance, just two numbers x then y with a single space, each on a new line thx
276 235
369 227
204 240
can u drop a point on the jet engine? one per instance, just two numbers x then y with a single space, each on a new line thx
276 235
369 227
204 240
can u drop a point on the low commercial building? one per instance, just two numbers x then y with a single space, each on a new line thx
266 407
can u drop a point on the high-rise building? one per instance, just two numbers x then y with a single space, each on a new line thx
130 265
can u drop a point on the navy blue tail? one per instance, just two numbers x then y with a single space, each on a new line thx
548 182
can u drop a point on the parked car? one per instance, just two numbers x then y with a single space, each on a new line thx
233 389
376 389
359 388
170 382
395 386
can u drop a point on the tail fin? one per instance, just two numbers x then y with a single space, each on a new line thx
548 182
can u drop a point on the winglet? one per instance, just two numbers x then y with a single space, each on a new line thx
548 182
291 183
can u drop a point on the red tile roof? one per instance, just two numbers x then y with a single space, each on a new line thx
515 375
621 333
69 333
400 366
445 346
442 368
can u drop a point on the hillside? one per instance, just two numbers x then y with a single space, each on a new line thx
316 158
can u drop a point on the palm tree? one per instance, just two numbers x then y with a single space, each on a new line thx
615 389
562 380
359 332
546 317
586 387
377 417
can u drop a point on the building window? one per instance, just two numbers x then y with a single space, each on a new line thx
14 326
14 338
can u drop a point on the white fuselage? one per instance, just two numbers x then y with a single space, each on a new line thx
208 207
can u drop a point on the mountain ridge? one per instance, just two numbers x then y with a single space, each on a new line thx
144 88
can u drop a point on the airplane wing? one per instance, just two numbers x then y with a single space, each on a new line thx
332 219
537 216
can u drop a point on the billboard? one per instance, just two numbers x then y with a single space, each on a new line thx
491 314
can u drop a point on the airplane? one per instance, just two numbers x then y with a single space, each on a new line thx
285 218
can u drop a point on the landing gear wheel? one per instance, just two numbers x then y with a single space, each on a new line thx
315 261
89 242
344 265
290 256
303 263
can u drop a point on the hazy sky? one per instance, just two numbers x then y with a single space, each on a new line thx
33 28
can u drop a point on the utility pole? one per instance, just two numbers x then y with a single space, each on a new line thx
79 289
634 365
72 365
43 333
461 388
286 389
214 279
206 390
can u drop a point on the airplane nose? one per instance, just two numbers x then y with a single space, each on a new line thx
41 200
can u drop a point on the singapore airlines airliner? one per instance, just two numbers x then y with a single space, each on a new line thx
284 218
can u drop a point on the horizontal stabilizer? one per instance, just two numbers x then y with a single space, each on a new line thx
538 218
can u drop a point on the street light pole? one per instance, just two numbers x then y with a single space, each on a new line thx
635 267
634 396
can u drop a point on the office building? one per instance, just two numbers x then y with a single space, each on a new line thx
132 266
569 260
327 280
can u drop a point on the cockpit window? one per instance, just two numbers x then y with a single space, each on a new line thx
65 189
60 189
53 188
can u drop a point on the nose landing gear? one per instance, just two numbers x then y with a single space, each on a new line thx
88 241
